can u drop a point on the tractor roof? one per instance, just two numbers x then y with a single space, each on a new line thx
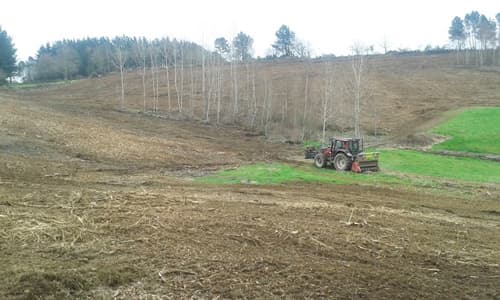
344 139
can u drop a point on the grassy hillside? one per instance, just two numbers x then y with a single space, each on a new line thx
475 130
404 162
268 174
457 168
278 173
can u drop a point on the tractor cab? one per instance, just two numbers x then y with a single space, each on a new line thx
348 145
346 154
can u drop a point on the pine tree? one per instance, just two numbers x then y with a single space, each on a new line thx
457 34
285 42
7 57
242 44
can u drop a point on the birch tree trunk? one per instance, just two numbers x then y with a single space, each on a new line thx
181 102
191 109
175 79
212 90
327 100
284 105
235 89
203 96
247 89
306 100
144 78
358 61
219 89
324 104
140 57
122 79
254 99
167 71
119 59
210 85
153 77
269 105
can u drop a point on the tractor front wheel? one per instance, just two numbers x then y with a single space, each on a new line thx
341 162
319 160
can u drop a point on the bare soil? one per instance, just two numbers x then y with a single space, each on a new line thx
99 203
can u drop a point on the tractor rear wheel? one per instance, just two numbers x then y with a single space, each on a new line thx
319 160
341 162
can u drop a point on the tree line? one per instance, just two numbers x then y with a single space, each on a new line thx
476 39
91 57
69 59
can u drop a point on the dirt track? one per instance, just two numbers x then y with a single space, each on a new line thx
100 203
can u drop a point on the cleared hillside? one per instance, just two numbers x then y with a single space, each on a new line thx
400 95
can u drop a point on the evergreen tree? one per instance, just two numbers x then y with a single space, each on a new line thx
285 42
498 31
7 57
486 31
457 31
471 21
457 35
222 47
242 44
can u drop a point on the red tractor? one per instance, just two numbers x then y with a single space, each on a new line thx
346 154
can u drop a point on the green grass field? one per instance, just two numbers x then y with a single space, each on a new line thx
476 130
395 161
446 167
277 173
268 174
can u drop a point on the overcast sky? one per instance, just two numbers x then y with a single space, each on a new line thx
327 26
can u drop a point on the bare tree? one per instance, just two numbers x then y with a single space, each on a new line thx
327 98
165 55
223 50
181 102
234 71
247 88
175 76
211 79
140 57
358 60
306 100
268 103
219 87
203 79
120 59
191 98
284 105
254 99
154 77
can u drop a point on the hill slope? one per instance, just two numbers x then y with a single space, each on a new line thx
399 94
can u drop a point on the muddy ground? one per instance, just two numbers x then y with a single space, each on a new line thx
97 204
